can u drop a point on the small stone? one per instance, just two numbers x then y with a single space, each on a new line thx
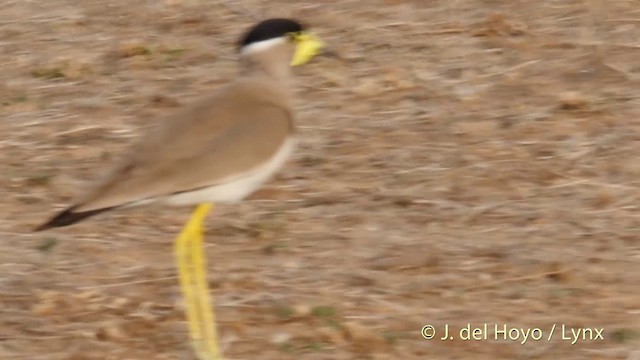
46 308
110 331
281 338
332 335
86 295
366 88
571 100
302 310
363 338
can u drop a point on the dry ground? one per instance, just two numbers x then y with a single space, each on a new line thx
464 162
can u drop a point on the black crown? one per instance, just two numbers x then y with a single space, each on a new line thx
270 29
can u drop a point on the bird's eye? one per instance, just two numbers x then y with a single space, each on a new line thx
294 36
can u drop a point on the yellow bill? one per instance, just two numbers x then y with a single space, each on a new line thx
307 46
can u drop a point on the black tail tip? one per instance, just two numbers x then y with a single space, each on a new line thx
67 217
43 227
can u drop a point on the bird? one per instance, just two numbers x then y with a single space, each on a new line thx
220 148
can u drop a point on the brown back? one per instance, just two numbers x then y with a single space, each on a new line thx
210 142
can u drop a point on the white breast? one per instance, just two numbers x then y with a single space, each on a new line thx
238 187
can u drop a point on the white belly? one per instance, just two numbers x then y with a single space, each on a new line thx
238 187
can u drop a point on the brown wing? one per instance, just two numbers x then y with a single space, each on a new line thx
207 143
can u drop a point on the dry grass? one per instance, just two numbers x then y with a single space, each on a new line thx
465 162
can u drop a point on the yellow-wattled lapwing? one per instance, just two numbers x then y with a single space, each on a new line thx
221 148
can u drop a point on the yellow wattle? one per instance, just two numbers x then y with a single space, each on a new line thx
307 46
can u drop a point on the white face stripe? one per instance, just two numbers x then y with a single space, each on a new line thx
262 45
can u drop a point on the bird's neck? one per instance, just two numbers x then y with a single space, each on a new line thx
273 62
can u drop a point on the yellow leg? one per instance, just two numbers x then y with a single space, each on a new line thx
192 273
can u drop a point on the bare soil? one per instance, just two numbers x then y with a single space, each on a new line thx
464 161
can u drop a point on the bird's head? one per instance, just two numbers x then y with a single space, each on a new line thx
279 34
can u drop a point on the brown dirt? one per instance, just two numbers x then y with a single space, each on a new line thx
464 162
